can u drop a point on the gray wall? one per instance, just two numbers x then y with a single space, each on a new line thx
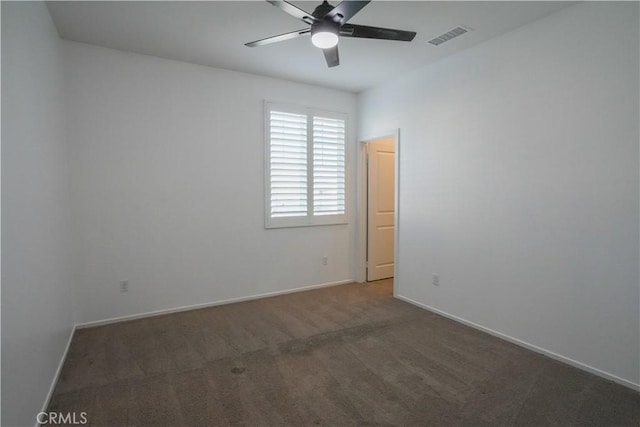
37 305
167 164
519 184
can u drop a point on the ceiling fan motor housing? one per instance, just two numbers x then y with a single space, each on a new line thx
325 26
322 10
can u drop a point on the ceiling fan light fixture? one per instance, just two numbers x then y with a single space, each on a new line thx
324 36
324 39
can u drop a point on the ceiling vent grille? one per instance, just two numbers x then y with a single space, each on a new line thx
452 34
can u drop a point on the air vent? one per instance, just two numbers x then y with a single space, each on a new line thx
458 31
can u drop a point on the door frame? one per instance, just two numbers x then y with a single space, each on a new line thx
361 241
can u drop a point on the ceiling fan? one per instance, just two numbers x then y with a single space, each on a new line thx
328 23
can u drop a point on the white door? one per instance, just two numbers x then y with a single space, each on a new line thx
380 208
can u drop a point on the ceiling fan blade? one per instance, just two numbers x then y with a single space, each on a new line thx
280 38
362 31
294 11
331 56
345 10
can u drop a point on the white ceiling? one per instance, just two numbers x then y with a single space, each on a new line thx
213 33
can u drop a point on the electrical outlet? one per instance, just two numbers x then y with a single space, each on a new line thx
436 280
325 260
124 286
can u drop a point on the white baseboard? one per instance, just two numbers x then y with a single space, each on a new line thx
58 371
526 345
207 304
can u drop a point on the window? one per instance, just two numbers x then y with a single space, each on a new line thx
305 179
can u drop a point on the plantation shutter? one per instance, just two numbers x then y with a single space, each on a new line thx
288 164
328 166
305 166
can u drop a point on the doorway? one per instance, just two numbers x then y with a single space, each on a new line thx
378 208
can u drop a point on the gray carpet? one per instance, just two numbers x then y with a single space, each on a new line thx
340 356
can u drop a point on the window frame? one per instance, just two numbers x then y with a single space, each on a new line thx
310 219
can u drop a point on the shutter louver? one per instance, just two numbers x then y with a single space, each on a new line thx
328 166
288 164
